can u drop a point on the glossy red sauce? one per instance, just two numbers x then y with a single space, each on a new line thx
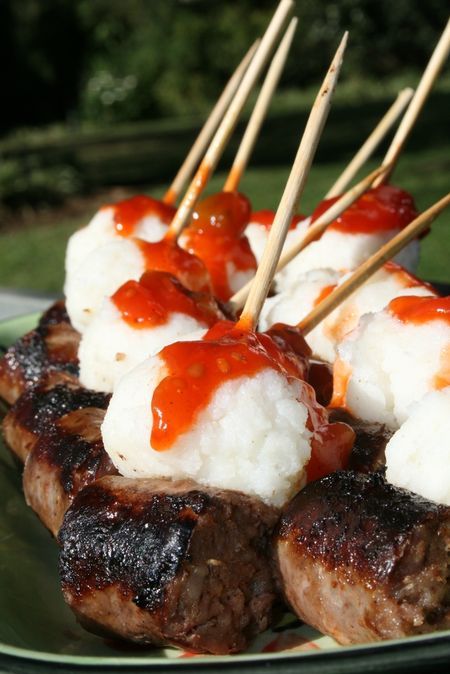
331 447
215 235
195 370
166 255
290 337
420 310
129 212
266 217
150 301
378 210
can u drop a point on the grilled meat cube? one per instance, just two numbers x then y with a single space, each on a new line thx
46 354
65 458
161 562
36 411
362 560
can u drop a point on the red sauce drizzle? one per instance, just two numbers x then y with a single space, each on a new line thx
216 236
420 310
129 212
196 369
149 301
166 255
378 210
266 217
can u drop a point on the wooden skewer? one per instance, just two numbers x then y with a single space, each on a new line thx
260 110
429 76
229 121
322 222
292 192
370 145
313 232
370 266
201 143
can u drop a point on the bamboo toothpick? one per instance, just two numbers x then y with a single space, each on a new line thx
429 76
313 232
230 119
292 192
370 145
370 266
260 110
201 143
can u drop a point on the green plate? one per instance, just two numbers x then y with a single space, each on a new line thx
38 633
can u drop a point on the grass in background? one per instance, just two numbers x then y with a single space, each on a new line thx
33 258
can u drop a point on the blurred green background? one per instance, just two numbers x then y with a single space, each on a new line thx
102 99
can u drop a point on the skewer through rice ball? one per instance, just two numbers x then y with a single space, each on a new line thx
311 288
258 229
369 223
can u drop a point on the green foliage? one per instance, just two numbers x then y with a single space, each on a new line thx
33 257
27 180
109 60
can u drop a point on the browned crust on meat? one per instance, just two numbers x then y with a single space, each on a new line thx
36 411
47 353
362 560
161 562
19 439
68 456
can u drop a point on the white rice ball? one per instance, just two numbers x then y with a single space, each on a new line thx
291 305
251 437
342 252
418 454
258 234
102 229
110 347
237 279
385 365
103 271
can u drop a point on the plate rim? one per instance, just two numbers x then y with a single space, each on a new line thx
442 637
